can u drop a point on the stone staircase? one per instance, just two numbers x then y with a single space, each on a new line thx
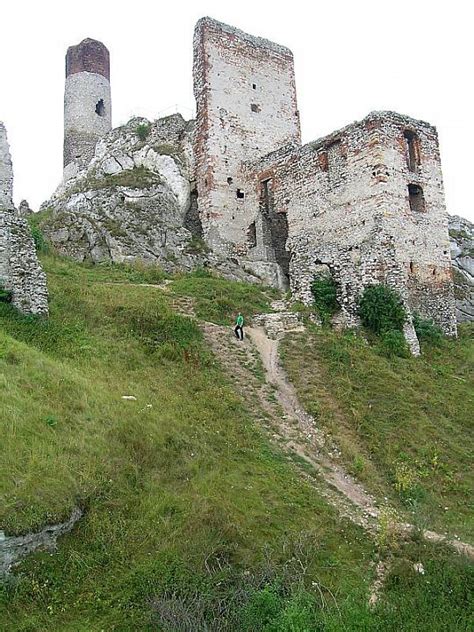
280 321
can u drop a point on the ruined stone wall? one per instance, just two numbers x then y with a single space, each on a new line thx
20 271
246 107
347 203
420 224
87 103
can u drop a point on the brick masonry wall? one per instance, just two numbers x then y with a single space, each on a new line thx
347 203
246 107
87 103
88 56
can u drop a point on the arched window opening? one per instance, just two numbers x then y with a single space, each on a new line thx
417 199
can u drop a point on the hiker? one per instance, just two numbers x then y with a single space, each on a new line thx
239 327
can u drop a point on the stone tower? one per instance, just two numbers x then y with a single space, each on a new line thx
6 170
246 107
87 103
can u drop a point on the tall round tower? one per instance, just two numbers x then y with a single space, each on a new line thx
87 103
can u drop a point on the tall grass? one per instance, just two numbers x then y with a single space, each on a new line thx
403 424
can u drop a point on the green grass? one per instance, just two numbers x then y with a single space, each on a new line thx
180 476
218 300
187 507
404 425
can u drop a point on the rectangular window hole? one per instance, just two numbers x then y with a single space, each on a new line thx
417 199
240 194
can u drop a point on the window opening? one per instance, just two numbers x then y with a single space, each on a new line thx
100 107
417 199
412 150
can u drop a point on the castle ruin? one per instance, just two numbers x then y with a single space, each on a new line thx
364 204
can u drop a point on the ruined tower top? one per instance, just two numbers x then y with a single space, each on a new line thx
87 103
88 56
6 170
246 107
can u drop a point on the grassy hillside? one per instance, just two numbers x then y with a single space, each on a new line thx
404 425
192 519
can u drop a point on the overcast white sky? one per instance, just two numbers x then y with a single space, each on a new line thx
351 57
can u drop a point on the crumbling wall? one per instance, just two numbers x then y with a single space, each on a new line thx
246 107
348 205
87 103
20 271
418 222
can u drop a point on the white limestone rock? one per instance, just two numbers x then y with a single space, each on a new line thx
133 201
461 234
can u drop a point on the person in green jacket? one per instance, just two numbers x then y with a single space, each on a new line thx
239 327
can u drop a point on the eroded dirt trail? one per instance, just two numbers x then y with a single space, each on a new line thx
312 448
255 368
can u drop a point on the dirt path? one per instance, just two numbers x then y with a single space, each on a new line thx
256 370
312 448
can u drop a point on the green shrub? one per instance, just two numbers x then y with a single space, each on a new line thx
426 330
5 295
143 131
392 343
41 244
324 291
381 309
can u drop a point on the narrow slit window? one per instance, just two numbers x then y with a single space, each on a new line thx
252 235
412 147
266 193
100 107
417 199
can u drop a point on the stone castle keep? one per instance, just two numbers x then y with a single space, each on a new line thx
364 204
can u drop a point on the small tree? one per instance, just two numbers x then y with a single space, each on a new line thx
143 131
324 291
381 309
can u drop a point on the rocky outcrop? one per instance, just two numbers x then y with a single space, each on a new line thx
461 233
13 548
21 274
135 199
24 209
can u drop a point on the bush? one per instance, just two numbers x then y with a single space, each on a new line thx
5 295
392 343
143 131
381 309
324 291
426 330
